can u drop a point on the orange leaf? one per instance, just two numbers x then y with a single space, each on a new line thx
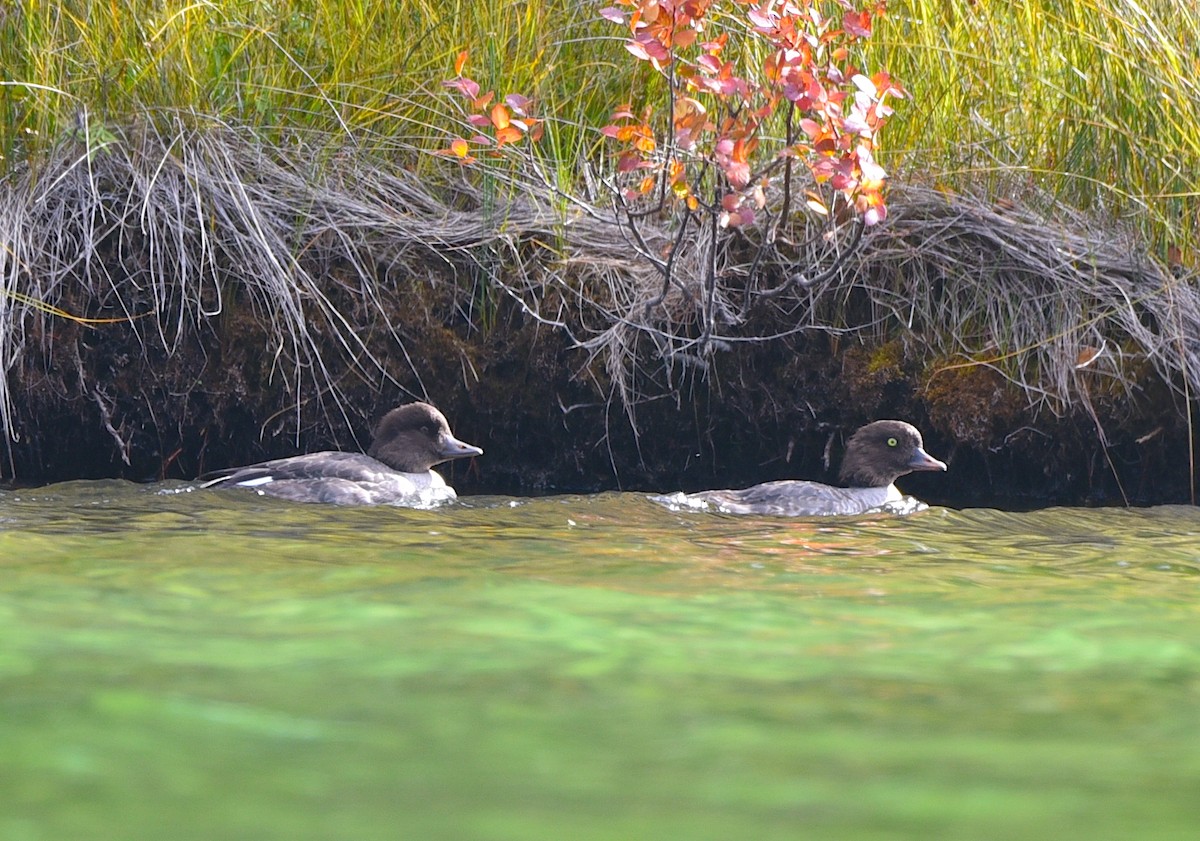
508 134
460 62
500 116
459 150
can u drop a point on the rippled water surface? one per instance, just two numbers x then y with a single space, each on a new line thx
196 665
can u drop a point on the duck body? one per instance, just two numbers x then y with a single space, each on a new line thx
396 470
339 478
876 455
796 498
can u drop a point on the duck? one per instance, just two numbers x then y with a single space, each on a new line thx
395 470
876 455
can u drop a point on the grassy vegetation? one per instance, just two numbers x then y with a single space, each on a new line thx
363 75
187 160
1092 100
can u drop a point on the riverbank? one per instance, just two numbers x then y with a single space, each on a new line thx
227 236
177 305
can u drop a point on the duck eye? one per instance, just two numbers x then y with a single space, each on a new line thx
892 442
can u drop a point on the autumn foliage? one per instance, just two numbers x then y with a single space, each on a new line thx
497 123
722 116
735 140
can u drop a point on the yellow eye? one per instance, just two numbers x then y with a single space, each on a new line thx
892 442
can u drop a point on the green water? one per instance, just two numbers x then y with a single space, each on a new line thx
221 666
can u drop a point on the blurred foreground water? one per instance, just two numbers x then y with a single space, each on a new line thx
196 665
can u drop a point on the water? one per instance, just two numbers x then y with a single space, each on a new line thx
197 665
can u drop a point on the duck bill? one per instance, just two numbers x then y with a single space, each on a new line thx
450 447
922 460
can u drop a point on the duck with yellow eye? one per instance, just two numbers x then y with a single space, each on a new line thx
876 455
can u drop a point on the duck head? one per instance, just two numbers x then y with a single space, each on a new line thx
880 452
414 438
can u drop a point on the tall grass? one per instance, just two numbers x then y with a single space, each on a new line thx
1093 101
366 75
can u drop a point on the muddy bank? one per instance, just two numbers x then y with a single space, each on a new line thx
167 315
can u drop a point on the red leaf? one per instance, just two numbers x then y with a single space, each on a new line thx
811 127
657 49
519 104
614 14
465 86
763 21
857 24
628 162
843 182
738 174
638 50
874 215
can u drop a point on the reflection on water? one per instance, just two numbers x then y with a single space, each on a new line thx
185 664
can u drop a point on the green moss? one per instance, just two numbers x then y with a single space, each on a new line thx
872 376
971 401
